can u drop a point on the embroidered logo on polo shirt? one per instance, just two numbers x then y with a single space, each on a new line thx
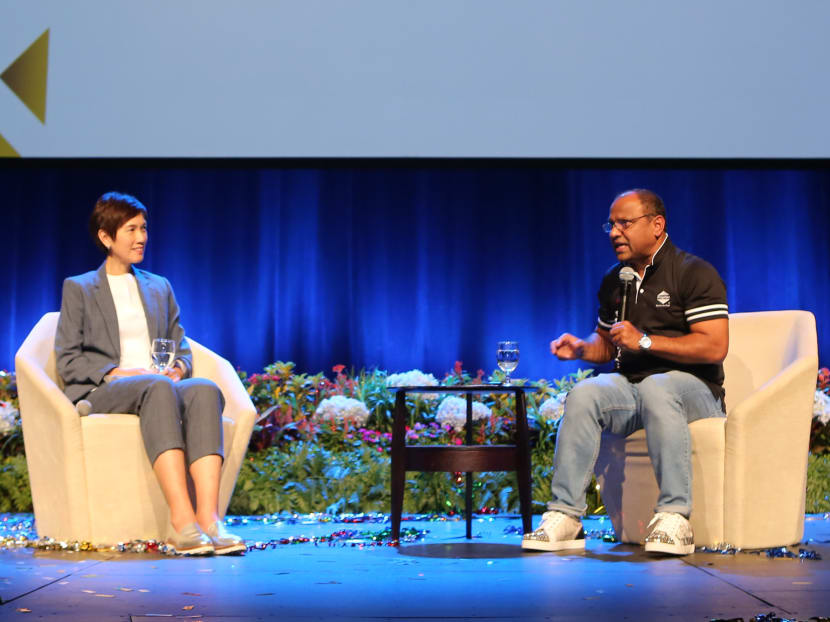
663 299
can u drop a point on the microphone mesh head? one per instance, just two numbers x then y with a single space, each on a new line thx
627 274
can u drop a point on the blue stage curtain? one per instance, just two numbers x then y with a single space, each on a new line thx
405 265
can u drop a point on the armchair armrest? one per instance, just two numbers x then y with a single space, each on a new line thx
238 406
775 412
767 440
54 446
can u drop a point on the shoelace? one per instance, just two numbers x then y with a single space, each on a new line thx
671 521
553 517
657 518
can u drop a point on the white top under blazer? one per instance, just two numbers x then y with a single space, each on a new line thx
132 322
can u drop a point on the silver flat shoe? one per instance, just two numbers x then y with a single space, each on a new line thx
224 542
189 541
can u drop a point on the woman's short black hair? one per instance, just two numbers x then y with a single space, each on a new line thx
111 211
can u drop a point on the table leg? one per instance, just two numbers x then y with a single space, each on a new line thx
398 463
468 489
468 505
523 463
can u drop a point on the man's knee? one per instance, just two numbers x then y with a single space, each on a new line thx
588 393
585 398
656 386
659 398
582 397
677 393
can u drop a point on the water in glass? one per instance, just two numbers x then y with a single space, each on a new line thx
507 357
163 353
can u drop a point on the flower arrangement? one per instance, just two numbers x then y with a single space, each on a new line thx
553 408
8 388
453 412
411 378
311 426
821 407
820 429
9 418
340 409
414 378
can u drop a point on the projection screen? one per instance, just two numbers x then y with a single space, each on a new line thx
433 78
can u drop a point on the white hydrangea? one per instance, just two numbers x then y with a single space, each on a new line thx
414 378
339 408
453 412
821 407
553 408
8 417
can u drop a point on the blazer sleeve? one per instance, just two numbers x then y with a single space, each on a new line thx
77 364
175 331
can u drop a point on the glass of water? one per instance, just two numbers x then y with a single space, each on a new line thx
507 356
163 353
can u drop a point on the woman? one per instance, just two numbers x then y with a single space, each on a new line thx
108 320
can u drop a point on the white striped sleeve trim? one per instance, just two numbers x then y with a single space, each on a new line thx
708 314
604 325
696 310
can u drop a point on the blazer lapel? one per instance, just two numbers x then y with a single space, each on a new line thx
103 297
152 309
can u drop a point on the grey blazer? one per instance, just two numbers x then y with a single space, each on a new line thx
87 345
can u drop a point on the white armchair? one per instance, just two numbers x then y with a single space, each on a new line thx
90 477
749 470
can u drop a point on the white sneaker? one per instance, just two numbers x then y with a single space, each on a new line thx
557 532
670 533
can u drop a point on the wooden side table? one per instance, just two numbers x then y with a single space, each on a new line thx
468 458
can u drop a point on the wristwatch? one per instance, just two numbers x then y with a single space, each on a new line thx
645 342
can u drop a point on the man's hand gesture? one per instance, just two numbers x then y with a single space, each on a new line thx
567 347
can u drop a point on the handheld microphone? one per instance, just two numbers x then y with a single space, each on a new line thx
84 407
627 275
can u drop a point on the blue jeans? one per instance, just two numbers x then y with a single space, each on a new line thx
663 404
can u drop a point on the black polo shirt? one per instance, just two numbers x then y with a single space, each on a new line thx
678 289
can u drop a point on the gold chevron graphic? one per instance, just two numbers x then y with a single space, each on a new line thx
26 76
6 150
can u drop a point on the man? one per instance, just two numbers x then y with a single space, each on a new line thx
669 352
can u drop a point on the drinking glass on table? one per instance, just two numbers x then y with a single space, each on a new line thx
163 353
507 356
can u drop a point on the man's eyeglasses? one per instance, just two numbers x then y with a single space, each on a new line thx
622 224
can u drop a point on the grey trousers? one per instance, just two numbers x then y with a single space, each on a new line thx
183 415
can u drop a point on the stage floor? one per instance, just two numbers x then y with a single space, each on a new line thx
443 576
